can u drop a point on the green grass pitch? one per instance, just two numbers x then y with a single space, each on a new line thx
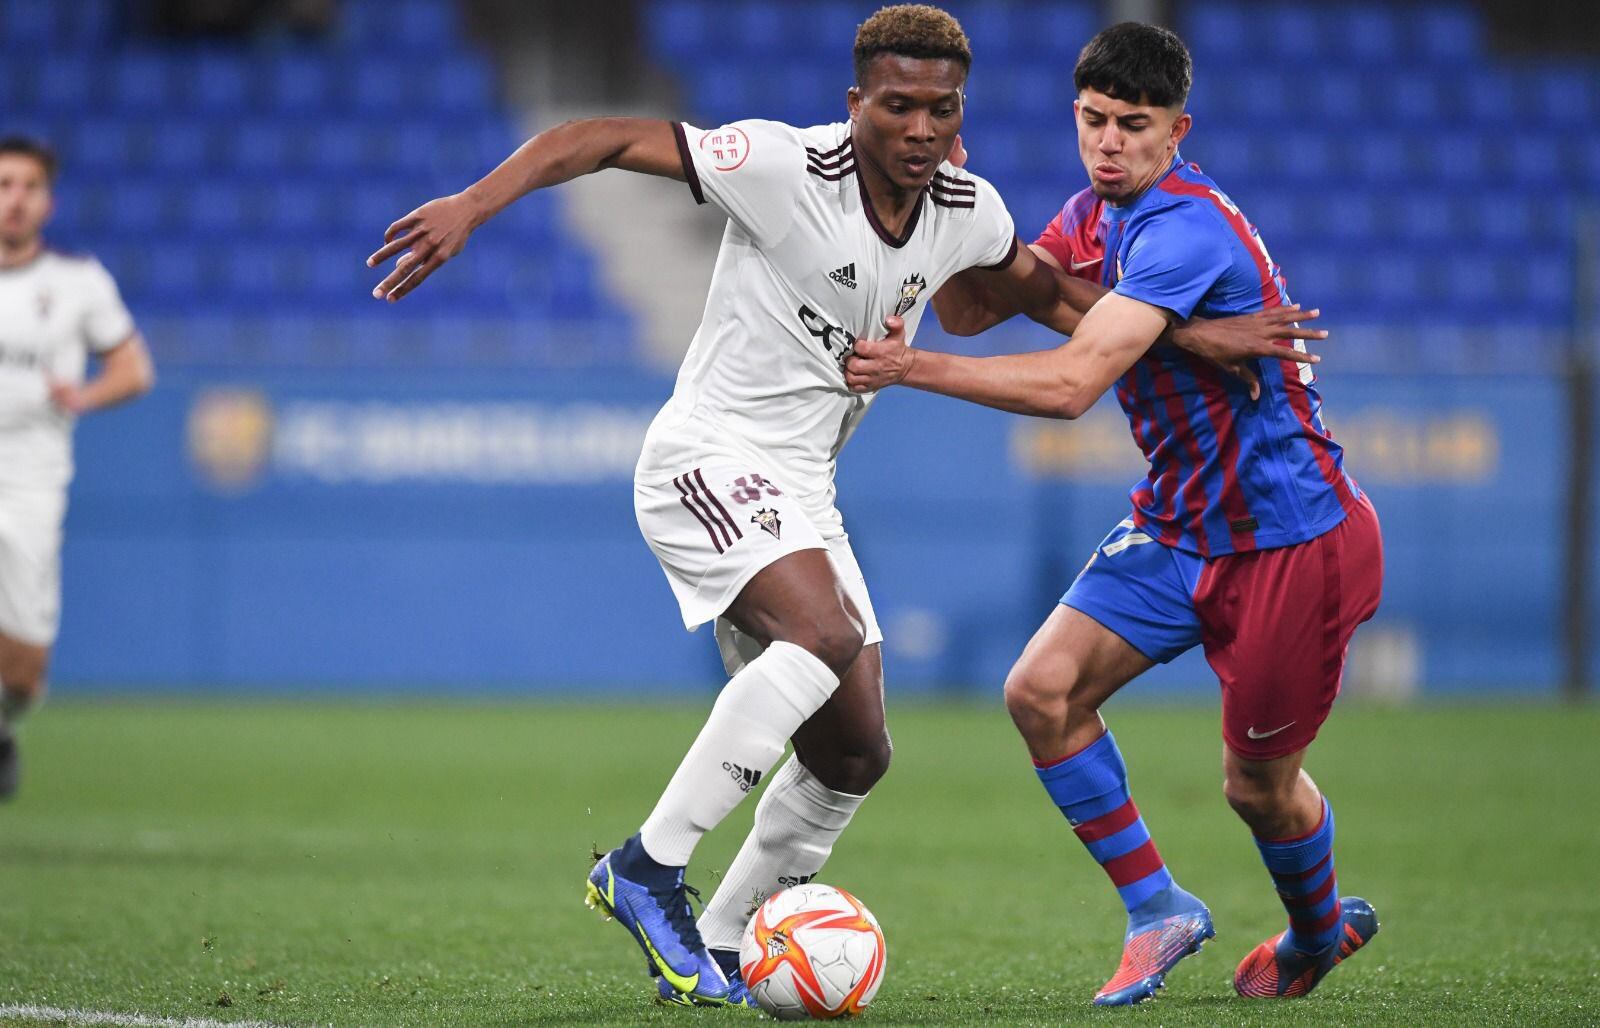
385 864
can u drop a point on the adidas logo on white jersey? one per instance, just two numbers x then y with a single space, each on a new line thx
845 276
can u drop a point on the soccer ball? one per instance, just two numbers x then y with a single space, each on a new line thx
812 951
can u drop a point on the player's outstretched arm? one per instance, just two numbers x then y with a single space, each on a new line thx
1060 383
980 298
438 230
126 373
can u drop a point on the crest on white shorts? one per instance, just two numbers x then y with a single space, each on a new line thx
768 520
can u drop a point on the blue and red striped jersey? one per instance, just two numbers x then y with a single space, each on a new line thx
1227 474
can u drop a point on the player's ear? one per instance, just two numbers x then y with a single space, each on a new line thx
852 101
1181 127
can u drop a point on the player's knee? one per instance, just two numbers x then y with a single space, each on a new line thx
1036 692
857 770
836 640
1256 797
23 668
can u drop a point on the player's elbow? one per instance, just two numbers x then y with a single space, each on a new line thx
141 375
1069 402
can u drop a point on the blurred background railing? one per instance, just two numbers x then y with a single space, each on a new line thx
329 491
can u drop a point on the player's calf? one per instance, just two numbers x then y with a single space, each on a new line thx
22 686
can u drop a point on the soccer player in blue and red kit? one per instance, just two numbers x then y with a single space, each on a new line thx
1248 537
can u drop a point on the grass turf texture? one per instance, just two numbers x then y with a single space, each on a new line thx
399 865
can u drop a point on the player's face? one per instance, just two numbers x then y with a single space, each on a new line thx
24 199
1126 147
905 116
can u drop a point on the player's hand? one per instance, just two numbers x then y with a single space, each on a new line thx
425 238
1232 343
958 153
877 363
68 396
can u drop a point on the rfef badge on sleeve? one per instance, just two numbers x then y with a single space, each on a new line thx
728 147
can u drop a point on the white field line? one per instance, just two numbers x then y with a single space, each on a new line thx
70 1017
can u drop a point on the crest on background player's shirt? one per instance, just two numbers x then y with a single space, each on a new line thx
768 520
910 289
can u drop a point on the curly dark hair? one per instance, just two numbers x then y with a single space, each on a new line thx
911 30
1139 64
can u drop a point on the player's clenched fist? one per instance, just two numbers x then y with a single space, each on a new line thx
877 363
425 238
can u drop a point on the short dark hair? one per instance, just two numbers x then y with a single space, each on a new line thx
1139 64
911 30
39 151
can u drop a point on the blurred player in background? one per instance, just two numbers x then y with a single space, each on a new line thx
831 229
55 311
1248 536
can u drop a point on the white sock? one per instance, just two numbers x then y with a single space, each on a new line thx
758 710
797 822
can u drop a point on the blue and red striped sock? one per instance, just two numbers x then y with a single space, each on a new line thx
1091 788
1302 869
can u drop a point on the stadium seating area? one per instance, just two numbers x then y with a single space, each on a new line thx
1401 172
236 188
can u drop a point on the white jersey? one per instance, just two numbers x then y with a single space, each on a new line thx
54 312
804 269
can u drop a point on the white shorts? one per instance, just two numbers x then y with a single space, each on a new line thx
716 524
30 563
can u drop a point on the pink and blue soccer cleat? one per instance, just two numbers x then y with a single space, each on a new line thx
651 901
1176 925
1276 970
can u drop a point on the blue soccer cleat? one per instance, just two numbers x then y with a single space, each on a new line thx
651 901
1276 970
1174 924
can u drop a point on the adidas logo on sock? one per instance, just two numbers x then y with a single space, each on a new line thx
845 276
746 778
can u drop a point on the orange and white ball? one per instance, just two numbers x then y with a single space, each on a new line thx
813 951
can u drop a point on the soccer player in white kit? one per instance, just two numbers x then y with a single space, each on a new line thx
831 230
55 310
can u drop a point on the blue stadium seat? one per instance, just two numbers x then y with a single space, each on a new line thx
460 85
297 82
833 27
1487 99
1219 31
31 24
1056 32
760 25
680 30
1292 33
992 31
380 85
214 208
179 146
259 147
66 84
1444 34
143 82
217 82
101 146
1367 35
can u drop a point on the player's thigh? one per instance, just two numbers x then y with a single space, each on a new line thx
30 573
716 533
800 598
738 648
1129 608
846 742
1277 625
1075 659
